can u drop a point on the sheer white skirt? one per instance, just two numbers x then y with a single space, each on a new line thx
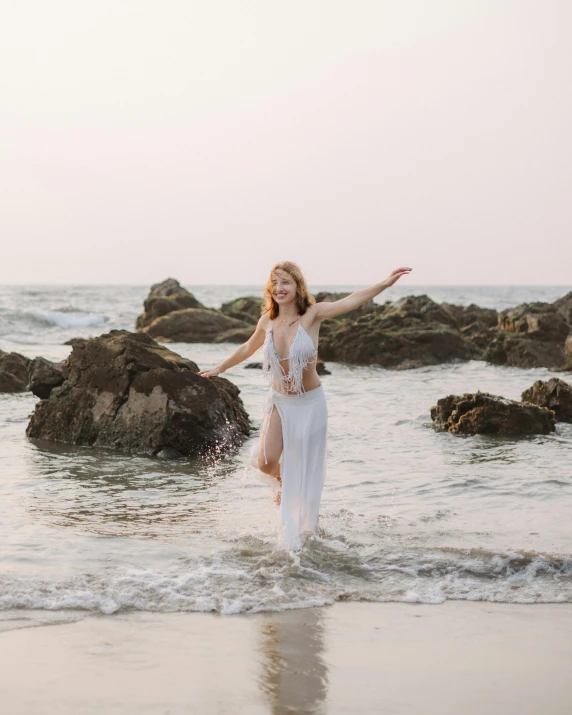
304 421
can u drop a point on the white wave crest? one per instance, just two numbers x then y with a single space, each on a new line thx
69 320
230 582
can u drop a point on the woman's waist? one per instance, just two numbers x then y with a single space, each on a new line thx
313 393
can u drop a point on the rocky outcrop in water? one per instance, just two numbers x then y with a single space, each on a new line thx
245 309
554 394
564 307
532 335
44 375
193 325
476 324
416 331
482 413
519 351
412 332
164 298
124 391
467 315
173 315
13 372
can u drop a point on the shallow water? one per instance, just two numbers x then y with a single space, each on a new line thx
407 514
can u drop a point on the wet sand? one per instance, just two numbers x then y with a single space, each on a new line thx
347 658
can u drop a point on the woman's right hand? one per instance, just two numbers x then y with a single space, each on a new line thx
213 372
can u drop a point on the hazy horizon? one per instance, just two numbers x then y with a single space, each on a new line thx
402 284
208 141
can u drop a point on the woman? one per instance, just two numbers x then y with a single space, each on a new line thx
292 445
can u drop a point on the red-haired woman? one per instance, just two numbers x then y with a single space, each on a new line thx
292 444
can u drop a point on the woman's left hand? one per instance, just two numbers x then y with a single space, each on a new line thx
395 275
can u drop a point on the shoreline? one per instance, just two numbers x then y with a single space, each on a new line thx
473 657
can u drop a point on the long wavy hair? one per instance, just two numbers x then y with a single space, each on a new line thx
303 298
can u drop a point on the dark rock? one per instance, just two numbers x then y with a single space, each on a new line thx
407 349
75 341
466 316
554 394
44 375
480 335
235 335
563 307
532 335
518 350
413 332
125 391
482 413
13 372
415 310
193 326
246 309
539 321
165 298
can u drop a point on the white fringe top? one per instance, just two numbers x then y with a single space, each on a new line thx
302 353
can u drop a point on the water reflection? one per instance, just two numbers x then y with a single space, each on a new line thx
294 675
109 494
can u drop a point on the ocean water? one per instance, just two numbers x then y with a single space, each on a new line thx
407 514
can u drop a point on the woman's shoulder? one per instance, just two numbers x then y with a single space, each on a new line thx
264 322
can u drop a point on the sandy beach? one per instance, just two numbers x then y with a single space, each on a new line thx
348 658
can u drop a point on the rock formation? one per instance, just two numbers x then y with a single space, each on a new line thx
244 309
416 331
532 335
476 324
173 315
44 375
125 391
412 332
481 413
165 298
564 307
554 394
194 325
13 372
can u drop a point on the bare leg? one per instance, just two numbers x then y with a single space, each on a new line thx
271 465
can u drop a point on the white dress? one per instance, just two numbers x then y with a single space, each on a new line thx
304 418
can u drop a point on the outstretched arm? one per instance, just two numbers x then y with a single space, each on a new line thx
325 310
241 353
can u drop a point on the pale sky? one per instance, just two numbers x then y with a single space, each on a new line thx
207 140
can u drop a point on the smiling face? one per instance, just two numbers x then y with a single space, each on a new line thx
283 287
286 289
